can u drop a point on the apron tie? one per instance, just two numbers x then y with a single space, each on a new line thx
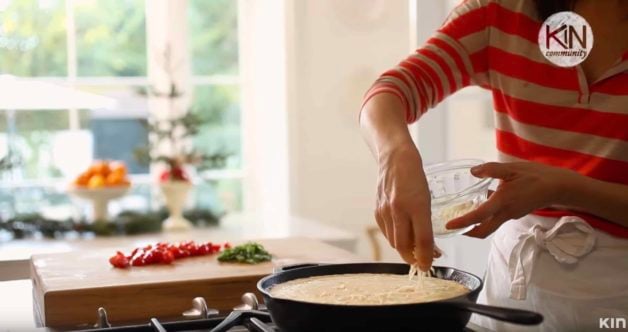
569 239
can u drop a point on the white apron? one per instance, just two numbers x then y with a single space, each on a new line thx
571 273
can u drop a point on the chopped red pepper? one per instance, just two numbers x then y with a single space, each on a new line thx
164 253
119 260
138 261
167 257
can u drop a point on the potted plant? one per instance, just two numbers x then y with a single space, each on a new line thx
170 147
175 187
177 163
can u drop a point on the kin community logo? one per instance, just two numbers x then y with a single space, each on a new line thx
565 39
613 323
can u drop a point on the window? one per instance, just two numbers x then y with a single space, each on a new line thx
112 45
33 38
70 42
213 43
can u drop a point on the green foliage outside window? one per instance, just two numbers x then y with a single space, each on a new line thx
218 107
213 36
33 38
111 38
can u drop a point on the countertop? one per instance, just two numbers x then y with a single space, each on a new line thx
15 255
16 307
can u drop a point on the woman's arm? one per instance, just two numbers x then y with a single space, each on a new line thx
403 202
527 186
383 124
451 60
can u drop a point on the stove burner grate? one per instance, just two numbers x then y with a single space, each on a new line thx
250 316
244 320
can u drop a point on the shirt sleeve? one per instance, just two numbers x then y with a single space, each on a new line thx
453 58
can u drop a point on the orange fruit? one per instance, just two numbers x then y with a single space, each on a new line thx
82 179
118 167
100 168
96 181
114 179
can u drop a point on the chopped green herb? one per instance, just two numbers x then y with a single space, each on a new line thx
249 253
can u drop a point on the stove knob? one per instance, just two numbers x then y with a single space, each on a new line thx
103 321
199 309
250 302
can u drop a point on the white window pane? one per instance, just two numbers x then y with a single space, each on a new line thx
219 108
117 133
213 29
219 195
72 151
33 38
29 199
110 37
33 142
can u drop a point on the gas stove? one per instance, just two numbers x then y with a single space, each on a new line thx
250 316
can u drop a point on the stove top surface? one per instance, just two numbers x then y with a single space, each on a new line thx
246 322
250 316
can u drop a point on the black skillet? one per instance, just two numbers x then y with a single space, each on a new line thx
446 315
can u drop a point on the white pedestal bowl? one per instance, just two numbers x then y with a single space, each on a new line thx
99 198
175 194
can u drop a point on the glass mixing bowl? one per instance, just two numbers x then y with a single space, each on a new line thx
454 192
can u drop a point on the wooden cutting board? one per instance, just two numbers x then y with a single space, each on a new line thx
68 288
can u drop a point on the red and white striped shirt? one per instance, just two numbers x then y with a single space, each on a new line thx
543 113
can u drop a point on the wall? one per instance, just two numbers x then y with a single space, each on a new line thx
339 48
263 35
306 66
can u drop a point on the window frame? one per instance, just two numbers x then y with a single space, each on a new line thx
72 79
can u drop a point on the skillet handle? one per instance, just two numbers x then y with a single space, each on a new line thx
294 266
517 316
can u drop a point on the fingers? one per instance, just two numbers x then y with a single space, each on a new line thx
437 251
407 256
413 247
487 228
403 236
423 239
380 223
403 231
483 212
389 227
493 170
398 232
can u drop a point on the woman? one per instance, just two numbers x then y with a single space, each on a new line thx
560 213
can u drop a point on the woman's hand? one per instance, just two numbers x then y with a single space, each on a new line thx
403 210
403 201
524 187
